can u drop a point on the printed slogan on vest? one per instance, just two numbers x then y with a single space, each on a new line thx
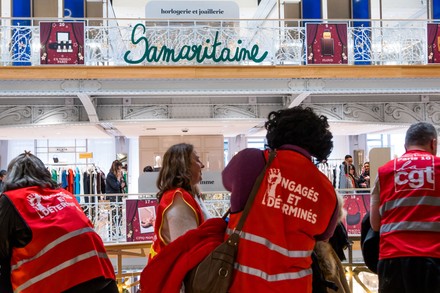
45 205
292 205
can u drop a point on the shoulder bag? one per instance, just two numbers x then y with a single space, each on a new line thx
214 273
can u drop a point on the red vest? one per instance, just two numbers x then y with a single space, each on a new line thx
165 202
409 206
64 251
295 203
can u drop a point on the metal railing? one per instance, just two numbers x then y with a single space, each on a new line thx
121 42
108 214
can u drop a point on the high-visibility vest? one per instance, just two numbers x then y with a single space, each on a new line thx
409 206
165 202
64 250
295 203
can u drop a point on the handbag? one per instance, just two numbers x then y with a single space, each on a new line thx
370 242
214 273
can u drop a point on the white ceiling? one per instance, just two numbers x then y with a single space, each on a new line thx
251 128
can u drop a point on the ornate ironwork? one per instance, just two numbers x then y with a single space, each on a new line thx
394 113
13 114
383 42
235 111
56 114
146 112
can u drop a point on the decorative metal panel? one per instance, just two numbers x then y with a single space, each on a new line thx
394 42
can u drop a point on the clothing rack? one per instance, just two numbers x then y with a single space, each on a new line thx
330 168
70 164
86 180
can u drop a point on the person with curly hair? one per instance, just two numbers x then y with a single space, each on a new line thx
295 206
47 243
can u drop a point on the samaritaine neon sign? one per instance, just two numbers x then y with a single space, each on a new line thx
213 50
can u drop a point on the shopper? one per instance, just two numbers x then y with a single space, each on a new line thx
344 171
405 210
296 204
364 178
47 244
179 209
148 168
2 177
114 182
352 178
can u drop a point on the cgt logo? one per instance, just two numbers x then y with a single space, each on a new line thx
410 176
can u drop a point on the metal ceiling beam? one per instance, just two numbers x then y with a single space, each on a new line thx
89 106
366 112
213 87
298 99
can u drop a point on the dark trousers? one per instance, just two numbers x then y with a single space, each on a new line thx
409 275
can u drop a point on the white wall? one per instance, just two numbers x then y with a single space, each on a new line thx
133 165
104 152
341 148
16 147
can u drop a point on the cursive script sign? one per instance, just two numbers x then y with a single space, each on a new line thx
213 50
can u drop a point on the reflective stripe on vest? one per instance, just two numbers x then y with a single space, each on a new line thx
411 226
410 202
52 245
272 246
272 278
59 267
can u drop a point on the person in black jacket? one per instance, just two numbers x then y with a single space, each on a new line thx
114 182
2 177
364 178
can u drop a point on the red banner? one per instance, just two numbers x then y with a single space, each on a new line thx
326 43
141 215
433 43
62 43
356 206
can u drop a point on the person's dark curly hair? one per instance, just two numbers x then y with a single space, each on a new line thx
301 127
